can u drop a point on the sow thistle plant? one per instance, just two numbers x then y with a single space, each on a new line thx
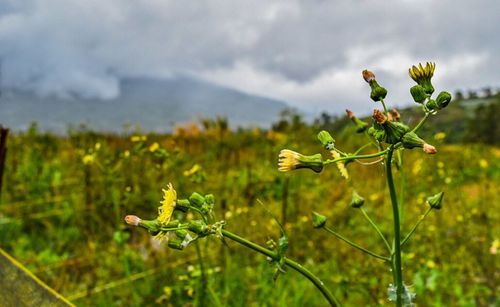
387 134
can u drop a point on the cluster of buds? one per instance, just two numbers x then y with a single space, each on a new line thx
180 234
422 92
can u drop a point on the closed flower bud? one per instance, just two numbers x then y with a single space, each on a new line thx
197 226
290 160
361 126
326 139
181 233
443 99
210 199
432 105
357 201
411 140
182 205
418 93
318 220
436 201
175 243
395 131
378 93
196 200
377 131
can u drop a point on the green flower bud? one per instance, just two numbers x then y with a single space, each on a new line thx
290 160
377 131
181 233
357 201
378 93
435 201
394 131
432 105
412 140
197 226
443 99
326 139
418 93
175 243
318 220
182 205
152 226
210 199
196 200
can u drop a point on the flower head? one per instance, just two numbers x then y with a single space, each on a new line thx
133 220
290 160
423 75
378 92
168 203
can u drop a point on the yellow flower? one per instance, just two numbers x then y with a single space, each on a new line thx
154 147
88 159
138 138
192 170
290 160
440 136
168 203
483 163
340 165
422 73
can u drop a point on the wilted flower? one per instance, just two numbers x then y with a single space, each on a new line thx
378 92
429 149
340 165
360 125
423 75
133 220
379 117
168 203
290 160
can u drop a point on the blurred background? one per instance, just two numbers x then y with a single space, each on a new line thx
107 102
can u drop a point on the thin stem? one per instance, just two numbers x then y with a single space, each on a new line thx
416 225
356 245
397 230
377 154
377 229
204 281
383 104
421 122
362 147
332 300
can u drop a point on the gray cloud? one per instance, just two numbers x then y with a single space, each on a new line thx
309 53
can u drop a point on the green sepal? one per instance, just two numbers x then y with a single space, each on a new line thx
318 220
357 201
418 93
436 201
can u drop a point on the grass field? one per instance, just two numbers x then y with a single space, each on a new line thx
64 199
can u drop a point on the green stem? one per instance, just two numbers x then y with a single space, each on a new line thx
341 237
383 104
203 286
416 225
397 230
377 154
421 122
362 147
332 300
377 230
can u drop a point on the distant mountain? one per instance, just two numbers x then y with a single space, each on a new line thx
153 104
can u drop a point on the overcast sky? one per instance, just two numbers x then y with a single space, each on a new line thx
307 53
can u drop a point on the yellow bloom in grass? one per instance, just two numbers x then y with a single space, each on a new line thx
439 136
483 163
168 203
88 159
138 138
154 147
340 165
192 170
290 160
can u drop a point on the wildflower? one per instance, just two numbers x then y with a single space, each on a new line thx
483 163
138 138
154 147
193 170
361 126
423 75
88 159
168 203
378 93
388 131
340 165
290 160
440 136
495 245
